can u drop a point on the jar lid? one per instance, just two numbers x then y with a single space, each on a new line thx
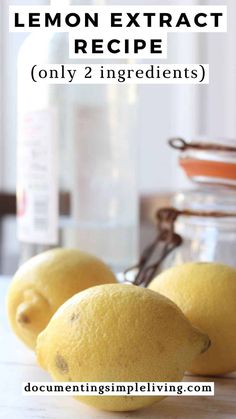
208 161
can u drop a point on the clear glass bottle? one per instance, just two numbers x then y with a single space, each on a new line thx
208 227
77 183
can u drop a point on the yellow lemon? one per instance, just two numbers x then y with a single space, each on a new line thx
206 293
117 333
45 282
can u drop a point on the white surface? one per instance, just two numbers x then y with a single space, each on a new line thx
17 364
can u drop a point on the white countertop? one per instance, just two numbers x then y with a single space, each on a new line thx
17 364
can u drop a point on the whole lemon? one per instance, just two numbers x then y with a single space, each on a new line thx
45 282
117 333
206 293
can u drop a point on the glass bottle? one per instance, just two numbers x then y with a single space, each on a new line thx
207 220
77 183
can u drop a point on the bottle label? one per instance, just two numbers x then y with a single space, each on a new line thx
37 178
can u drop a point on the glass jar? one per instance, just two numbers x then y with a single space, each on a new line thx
77 183
207 212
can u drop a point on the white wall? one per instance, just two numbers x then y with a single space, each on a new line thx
189 111
2 107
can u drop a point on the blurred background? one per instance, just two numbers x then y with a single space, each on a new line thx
163 112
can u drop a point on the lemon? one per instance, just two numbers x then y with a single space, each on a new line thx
117 333
45 282
206 293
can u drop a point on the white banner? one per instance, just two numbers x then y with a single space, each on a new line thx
118 388
130 19
120 73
